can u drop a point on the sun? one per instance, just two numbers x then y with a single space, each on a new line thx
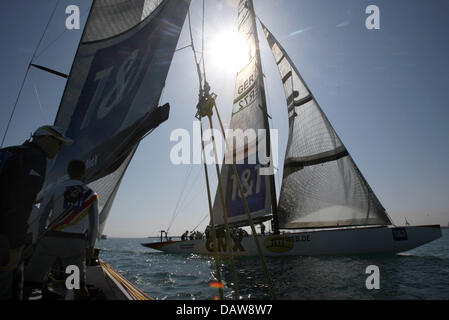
229 50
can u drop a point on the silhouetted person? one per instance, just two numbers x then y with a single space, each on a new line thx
72 228
22 174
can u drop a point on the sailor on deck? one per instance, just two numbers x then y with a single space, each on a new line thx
22 173
72 228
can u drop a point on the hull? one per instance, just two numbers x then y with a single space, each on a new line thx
103 283
111 285
367 240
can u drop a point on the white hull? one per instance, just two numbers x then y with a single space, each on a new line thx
316 242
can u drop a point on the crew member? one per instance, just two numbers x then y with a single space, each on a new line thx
72 228
22 173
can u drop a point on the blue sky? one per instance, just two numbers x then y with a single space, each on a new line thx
385 92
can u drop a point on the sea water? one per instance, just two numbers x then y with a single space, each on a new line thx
422 273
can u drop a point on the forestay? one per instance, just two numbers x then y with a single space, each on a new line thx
248 116
322 186
112 94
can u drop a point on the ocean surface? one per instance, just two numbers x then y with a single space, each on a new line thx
422 273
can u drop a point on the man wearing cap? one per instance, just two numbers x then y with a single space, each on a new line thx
22 174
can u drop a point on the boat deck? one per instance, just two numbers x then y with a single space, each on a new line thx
103 283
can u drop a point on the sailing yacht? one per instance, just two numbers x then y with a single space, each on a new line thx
111 102
325 207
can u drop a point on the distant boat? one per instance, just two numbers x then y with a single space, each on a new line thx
104 237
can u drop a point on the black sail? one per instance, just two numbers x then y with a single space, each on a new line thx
322 186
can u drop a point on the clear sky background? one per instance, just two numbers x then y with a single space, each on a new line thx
385 91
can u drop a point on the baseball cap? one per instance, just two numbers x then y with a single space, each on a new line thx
54 132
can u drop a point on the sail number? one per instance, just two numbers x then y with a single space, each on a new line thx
251 183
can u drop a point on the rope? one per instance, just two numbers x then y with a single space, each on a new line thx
189 193
175 211
200 222
26 74
37 95
202 47
225 217
132 290
214 238
212 223
194 54
245 205
183 48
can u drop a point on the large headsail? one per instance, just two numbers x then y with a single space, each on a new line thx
248 115
322 186
112 94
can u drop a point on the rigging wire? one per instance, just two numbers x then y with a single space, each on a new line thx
201 96
198 68
195 180
37 95
202 47
205 217
183 48
26 74
191 45
175 211
271 125
270 119
245 204
57 38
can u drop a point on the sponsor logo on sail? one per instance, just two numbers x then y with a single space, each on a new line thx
279 244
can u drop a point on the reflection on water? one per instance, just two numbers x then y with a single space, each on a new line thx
422 273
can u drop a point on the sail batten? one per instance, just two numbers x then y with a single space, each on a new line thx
315 159
322 186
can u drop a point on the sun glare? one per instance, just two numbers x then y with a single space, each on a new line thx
230 51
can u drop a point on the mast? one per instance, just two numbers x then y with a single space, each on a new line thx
248 128
275 221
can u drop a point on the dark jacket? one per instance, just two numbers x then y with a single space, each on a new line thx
22 174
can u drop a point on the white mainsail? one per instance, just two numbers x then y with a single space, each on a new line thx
322 186
249 115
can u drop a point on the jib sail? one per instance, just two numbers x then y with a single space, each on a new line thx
112 94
